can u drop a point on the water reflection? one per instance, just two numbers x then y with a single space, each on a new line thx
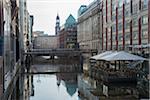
69 80
59 65
73 86
54 87
68 85
94 90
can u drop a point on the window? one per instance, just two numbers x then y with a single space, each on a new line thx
114 37
120 15
127 1
145 19
127 36
104 11
113 28
120 3
127 24
135 8
144 34
120 26
135 21
113 17
114 6
144 4
126 12
120 37
135 35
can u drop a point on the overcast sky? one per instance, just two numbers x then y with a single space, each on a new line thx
45 12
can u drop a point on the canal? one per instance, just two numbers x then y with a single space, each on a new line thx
49 79
64 79
53 87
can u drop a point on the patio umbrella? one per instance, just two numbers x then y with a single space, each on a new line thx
99 56
122 56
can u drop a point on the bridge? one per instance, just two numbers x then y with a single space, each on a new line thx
54 52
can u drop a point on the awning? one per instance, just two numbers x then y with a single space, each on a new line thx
118 56
99 56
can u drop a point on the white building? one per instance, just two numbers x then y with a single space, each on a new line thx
89 27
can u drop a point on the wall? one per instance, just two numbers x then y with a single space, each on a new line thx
13 43
89 28
45 42
125 26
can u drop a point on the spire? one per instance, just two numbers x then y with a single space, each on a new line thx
57 18
57 27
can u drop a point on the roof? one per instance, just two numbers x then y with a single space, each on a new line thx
70 19
99 56
82 9
71 88
119 56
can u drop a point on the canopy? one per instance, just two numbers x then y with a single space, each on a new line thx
98 57
121 55
118 56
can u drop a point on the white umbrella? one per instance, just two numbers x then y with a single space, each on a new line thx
122 56
99 56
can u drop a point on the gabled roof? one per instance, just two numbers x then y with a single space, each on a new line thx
70 21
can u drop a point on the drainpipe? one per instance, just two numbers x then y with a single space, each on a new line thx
117 25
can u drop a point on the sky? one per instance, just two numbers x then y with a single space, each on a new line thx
45 12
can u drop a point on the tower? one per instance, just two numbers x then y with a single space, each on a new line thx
57 27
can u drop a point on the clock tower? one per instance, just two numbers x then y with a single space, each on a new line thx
57 27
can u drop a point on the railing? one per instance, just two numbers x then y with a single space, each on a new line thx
56 52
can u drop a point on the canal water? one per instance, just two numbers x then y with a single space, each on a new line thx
65 80
54 87
50 79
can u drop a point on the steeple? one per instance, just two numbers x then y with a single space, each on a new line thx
57 27
57 18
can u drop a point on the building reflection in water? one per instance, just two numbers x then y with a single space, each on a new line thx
28 87
70 82
51 86
94 90
32 86
75 86
62 84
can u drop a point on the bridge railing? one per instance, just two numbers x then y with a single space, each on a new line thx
59 49
53 52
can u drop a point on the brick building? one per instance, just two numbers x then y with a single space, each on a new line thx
125 24
68 33
119 25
